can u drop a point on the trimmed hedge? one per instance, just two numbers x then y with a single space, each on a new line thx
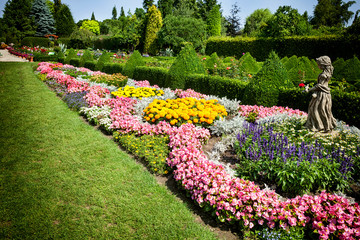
75 62
111 68
35 41
38 57
90 65
155 75
310 46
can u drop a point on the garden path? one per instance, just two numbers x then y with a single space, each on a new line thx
7 57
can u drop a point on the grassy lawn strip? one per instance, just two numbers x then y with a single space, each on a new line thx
61 179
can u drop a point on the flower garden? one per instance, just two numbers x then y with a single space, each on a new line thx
168 128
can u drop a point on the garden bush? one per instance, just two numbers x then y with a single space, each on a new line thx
103 59
111 68
155 75
263 89
38 57
212 63
70 55
35 41
186 62
87 56
135 60
248 64
75 62
90 65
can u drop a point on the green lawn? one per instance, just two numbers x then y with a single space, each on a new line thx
61 179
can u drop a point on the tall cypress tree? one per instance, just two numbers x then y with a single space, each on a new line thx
214 21
64 21
154 24
17 23
114 13
93 16
43 18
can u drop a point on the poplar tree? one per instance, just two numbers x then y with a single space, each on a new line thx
153 26
214 21
43 18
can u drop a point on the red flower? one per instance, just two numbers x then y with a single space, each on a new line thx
301 85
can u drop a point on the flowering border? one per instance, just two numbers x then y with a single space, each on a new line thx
232 199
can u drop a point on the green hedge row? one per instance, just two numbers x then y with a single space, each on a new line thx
111 68
35 41
310 46
45 58
155 75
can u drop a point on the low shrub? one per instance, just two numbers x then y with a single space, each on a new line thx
90 65
103 59
70 55
35 41
87 56
134 61
75 62
155 75
111 68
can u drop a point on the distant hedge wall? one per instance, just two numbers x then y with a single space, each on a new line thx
35 41
311 47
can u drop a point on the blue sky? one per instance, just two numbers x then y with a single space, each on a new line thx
82 9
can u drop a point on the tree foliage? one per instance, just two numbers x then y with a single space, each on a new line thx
43 18
214 21
256 21
286 21
332 13
166 7
91 25
204 7
233 20
16 20
147 4
114 13
93 16
179 29
153 26
64 21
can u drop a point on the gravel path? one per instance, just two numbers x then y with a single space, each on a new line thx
7 57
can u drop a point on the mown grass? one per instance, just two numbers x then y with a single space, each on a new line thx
61 179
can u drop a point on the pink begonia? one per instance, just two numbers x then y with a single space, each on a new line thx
145 83
78 86
232 199
82 69
266 111
188 93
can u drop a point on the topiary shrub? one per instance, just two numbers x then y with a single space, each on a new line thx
263 89
134 61
111 68
75 62
248 64
339 66
103 59
187 62
90 65
212 63
87 56
291 62
352 70
71 54
303 70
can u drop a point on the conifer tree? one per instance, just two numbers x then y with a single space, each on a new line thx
43 18
122 13
154 24
93 16
114 13
147 4
64 21
166 7
17 23
214 21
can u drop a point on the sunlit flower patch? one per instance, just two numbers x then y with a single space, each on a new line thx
116 79
184 110
141 92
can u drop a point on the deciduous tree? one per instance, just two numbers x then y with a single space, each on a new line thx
332 13
256 21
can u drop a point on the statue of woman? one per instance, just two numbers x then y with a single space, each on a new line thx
320 117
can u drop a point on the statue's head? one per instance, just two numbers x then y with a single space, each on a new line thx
323 61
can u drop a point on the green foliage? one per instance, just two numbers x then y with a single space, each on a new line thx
81 38
311 47
64 21
43 18
212 63
35 41
286 22
165 7
111 68
116 79
135 60
179 29
213 21
256 21
153 26
45 58
263 89
75 62
16 21
114 13
248 64
103 59
332 13
91 25
155 75
90 65
301 68
187 62
71 54
87 56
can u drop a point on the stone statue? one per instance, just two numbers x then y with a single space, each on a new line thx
320 117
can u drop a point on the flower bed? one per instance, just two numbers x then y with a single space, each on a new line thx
231 199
